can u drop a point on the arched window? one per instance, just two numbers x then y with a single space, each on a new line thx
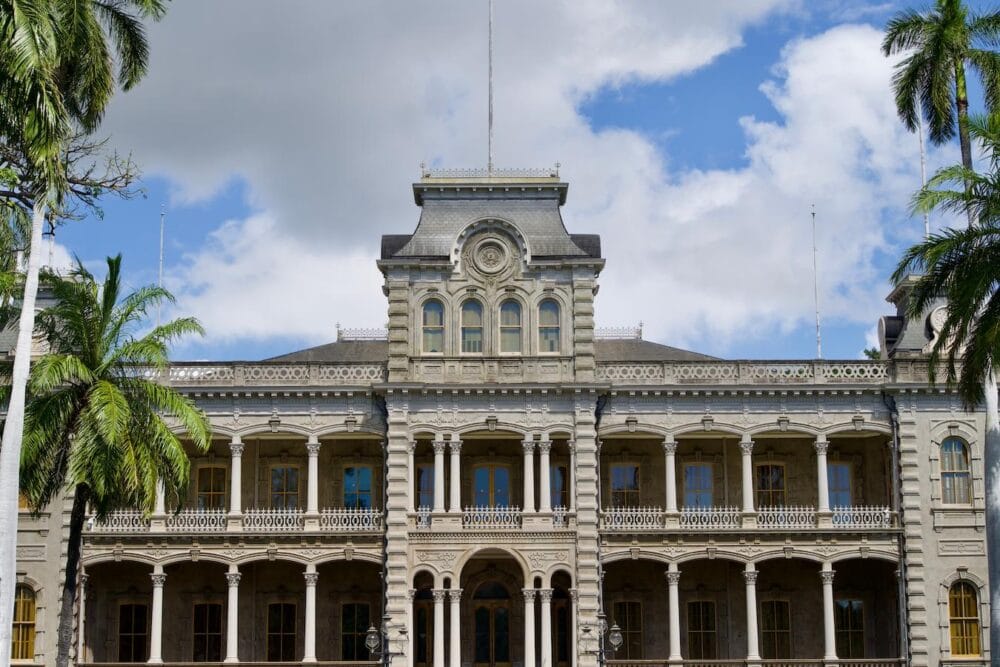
510 326
963 612
956 482
472 326
23 636
548 326
433 325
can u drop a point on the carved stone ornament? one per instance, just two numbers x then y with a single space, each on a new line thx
233 578
540 558
443 559
491 256
750 577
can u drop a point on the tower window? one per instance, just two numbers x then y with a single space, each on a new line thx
510 326
472 327
548 326
433 327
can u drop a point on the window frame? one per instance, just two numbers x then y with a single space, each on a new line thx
423 471
624 625
711 484
492 467
282 633
298 490
852 634
501 327
543 327
563 494
776 631
144 656
359 634
23 647
225 487
757 490
371 490
973 622
208 634
831 466
424 327
462 327
949 499
638 483
702 634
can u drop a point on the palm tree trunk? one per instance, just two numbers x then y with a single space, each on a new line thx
64 638
992 456
10 449
962 103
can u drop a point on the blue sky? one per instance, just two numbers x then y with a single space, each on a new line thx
693 140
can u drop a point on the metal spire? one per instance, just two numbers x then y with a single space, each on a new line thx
159 280
489 163
819 340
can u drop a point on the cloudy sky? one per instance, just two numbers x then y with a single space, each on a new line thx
283 138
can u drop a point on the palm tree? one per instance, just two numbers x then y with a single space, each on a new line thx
57 72
96 420
964 267
931 80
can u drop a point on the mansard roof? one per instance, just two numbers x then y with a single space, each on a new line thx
451 201
369 351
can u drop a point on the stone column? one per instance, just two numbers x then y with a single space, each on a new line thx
81 637
309 636
312 494
545 594
746 449
439 594
829 630
674 607
529 475
156 617
571 489
669 452
574 642
455 446
545 476
439 475
455 649
161 499
411 631
750 577
235 483
411 476
233 615
529 623
823 514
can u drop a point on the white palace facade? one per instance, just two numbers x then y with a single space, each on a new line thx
490 482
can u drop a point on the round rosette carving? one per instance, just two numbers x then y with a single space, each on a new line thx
491 255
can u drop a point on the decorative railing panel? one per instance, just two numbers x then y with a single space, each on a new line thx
862 517
786 517
746 372
790 662
197 521
632 518
711 518
268 374
273 520
423 517
559 516
495 518
349 519
125 521
495 172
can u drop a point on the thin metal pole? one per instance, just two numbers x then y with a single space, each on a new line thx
819 339
923 164
489 163
159 280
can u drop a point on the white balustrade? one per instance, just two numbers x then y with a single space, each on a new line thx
423 517
745 373
124 521
266 374
559 516
492 517
632 518
862 517
350 519
275 520
786 517
711 518
197 521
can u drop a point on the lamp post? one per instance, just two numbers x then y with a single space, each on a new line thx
614 637
377 641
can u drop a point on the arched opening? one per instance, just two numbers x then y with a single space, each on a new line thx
562 620
423 620
491 610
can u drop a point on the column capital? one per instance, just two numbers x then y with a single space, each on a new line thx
454 594
411 446
439 446
545 595
312 578
669 445
233 579
236 447
571 446
159 579
439 594
750 577
529 594
674 577
826 576
821 445
528 446
410 594
455 446
746 444
574 594
544 447
313 448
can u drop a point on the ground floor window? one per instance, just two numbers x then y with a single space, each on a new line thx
23 635
280 632
963 615
775 630
849 617
354 621
702 638
133 632
628 616
207 636
423 611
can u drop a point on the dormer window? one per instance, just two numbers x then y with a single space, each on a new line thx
510 327
548 326
433 327
472 327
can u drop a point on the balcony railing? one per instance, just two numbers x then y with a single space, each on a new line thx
349 519
632 518
711 518
791 662
862 517
745 372
786 517
197 521
273 520
126 521
492 518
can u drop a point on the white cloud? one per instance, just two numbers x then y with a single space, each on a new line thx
326 117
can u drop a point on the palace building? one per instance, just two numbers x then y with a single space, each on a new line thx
493 482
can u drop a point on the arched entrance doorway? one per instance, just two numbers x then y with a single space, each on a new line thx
491 605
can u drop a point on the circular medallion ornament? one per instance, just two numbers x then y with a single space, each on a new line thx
490 256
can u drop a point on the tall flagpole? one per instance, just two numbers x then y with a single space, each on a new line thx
819 340
489 163
159 280
923 165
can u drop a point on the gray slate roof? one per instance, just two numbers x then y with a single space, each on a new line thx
378 351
